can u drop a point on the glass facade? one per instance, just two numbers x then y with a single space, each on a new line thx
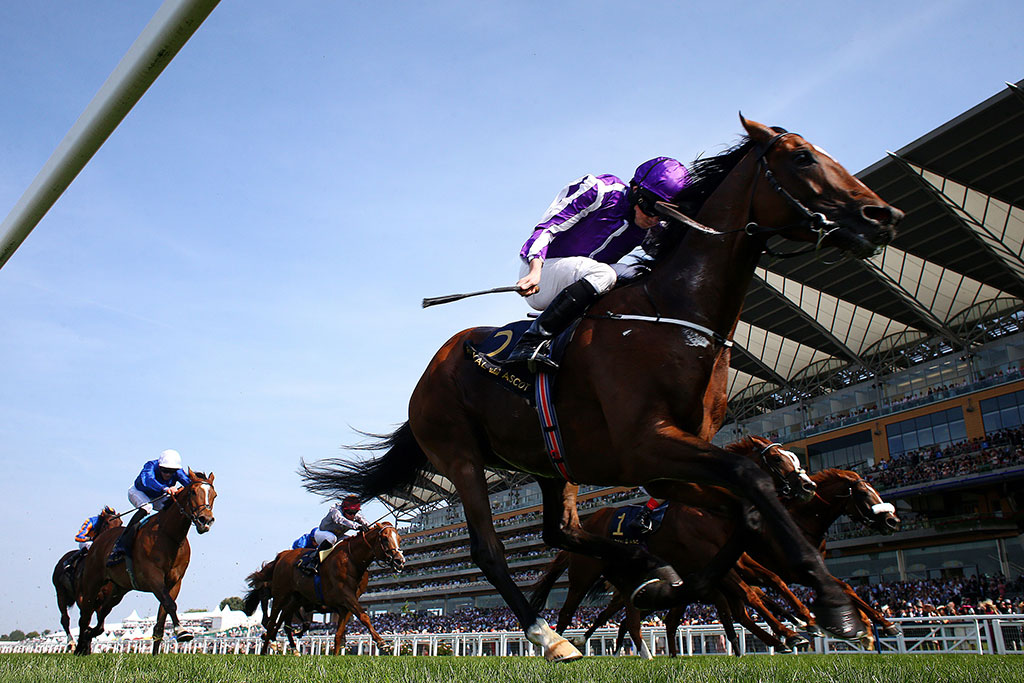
940 428
846 452
867 568
1003 412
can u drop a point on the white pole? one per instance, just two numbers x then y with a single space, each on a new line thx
168 30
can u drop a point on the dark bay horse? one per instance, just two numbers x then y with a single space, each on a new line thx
158 560
639 400
343 578
68 572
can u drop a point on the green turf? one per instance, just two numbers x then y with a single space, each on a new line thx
109 668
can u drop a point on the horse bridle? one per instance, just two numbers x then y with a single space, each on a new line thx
867 513
785 490
192 517
389 555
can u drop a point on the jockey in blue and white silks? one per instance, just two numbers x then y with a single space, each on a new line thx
158 477
572 256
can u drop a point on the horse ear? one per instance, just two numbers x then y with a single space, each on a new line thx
210 478
758 132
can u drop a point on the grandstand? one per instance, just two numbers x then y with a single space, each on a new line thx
906 367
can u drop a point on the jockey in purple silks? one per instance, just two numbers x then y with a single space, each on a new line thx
572 256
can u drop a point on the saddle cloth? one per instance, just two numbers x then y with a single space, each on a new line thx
488 355
621 527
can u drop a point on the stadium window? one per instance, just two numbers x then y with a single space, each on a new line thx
1002 412
936 429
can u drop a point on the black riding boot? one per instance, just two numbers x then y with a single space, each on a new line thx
310 562
534 347
122 545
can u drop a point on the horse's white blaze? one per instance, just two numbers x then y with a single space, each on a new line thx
879 508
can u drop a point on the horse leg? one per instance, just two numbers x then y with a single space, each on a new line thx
158 628
85 610
633 623
167 598
725 616
362 616
888 627
754 572
339 633
686 458
737 597
271 623
488 553
622 562
672 619
607 613
65 619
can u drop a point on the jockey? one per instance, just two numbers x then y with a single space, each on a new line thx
91 528
151 491
572 256
340 519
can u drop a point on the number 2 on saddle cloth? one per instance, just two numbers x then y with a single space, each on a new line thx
535 389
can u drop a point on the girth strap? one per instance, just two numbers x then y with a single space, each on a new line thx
549 426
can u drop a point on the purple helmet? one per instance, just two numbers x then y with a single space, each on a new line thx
662 176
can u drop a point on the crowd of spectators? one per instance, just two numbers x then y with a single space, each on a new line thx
994 451
986 594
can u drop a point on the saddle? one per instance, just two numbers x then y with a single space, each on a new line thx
623 529
489 354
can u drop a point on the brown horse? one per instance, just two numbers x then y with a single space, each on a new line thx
68 572
683 540
156 563
343 578
838 492
642 387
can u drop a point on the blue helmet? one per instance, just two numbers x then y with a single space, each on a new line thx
662 176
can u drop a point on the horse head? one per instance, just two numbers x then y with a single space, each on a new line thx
804 194
864 504
108 519
385 548
791 481
196 500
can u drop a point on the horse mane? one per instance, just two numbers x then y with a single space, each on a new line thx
746 445
705 175
835 473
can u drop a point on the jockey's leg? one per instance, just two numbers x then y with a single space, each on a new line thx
587 280
124 542
309 563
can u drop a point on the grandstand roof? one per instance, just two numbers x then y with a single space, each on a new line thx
809 326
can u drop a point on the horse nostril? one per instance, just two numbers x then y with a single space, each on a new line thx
892 522
810 486
886 216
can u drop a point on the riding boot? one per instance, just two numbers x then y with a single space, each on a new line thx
534 347
123 545
310 562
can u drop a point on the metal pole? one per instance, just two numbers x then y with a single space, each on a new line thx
168 30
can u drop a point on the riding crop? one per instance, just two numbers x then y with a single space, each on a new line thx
435 300
122 514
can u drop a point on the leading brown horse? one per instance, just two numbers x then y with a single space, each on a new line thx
639 395
343 578
68 572
156 563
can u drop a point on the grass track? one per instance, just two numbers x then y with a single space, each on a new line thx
120 668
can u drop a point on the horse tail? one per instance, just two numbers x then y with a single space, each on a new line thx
394 473
546 582
259 582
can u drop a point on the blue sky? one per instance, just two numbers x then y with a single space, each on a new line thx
237 272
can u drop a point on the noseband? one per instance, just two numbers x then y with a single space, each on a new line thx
193 516
785 489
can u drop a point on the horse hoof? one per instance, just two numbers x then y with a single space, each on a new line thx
842 621
555 647
563 651
892 630
183 635
796 641
813 630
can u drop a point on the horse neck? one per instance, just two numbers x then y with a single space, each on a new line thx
817 515
173 521
360 551
707 276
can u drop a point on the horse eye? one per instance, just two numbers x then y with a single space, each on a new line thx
803 158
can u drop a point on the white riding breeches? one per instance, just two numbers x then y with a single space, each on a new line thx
320 536
139 499
84 545
559 273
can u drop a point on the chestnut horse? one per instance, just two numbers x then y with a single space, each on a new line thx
701 533
344 578
68 572
643 385
685 541
156 563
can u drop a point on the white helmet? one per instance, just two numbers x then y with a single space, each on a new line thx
170 459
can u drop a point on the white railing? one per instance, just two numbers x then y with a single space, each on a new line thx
995 634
